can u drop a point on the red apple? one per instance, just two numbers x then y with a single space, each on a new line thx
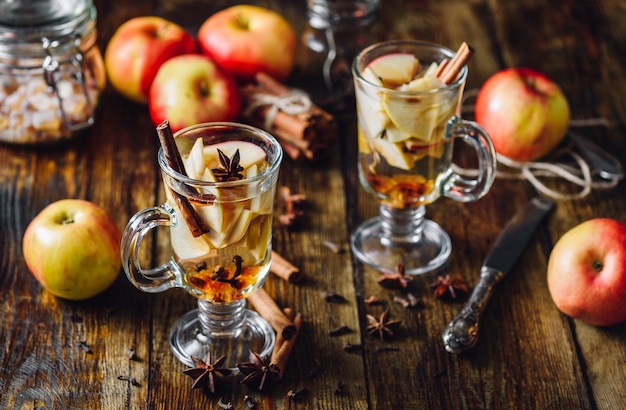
525 113
72 247
192 89
587 272
138 48
247 39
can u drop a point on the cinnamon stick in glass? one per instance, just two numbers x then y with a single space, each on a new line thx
460 59
194 222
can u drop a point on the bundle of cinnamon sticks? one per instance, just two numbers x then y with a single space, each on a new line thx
302 128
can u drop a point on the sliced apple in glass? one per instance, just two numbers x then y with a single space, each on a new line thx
194 163
258 236
394 154
411 116
422 84
394 134
372 116
249 153
394 69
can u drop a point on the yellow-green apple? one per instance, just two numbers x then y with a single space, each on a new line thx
138 48
192 89
525 113
587 272
72 247
247 39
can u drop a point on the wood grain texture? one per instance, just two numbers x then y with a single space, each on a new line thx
57 354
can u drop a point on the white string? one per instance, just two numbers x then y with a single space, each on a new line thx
293 102
582 175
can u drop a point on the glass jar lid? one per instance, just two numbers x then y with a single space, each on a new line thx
30 20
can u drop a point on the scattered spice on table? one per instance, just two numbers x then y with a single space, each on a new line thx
130 380
332 297
298 395
208 373
447 286
291 205
372 300
339 330
395 280
383 326
352 348
85 347
259 373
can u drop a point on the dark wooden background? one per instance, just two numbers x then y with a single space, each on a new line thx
528 356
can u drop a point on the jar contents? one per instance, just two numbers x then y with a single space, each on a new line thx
51 70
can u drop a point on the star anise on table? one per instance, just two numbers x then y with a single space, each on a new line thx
447 286
208 373
382 327
231 170
395 280
259 373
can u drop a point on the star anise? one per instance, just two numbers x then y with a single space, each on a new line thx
446 286
383 327
231 170
208 373
258 372
395 280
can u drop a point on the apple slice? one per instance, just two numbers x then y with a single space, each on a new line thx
184 244
372 117
239 228
249 153
394 69
411 116
394 154
394 134
194 164
370 76
426 83
258 237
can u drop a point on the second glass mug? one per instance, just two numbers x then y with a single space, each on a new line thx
232 171
406 134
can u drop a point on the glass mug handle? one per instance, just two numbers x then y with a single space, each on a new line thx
459 187
155 279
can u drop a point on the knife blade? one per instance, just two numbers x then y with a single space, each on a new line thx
462 332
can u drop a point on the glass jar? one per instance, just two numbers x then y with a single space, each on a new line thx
51 69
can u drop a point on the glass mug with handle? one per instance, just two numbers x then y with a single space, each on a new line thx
219 217
408 121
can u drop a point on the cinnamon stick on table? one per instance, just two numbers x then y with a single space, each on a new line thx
269 310
194 222
284 269
283 347
454 66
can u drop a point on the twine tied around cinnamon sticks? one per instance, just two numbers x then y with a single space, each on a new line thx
302 128
293 102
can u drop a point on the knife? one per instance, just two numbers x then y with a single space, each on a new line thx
462 332
607 166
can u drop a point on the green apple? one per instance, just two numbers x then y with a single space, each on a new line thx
72 247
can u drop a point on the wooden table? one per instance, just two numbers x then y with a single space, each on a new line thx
528 356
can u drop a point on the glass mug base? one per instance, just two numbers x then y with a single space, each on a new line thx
188 337
429 253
